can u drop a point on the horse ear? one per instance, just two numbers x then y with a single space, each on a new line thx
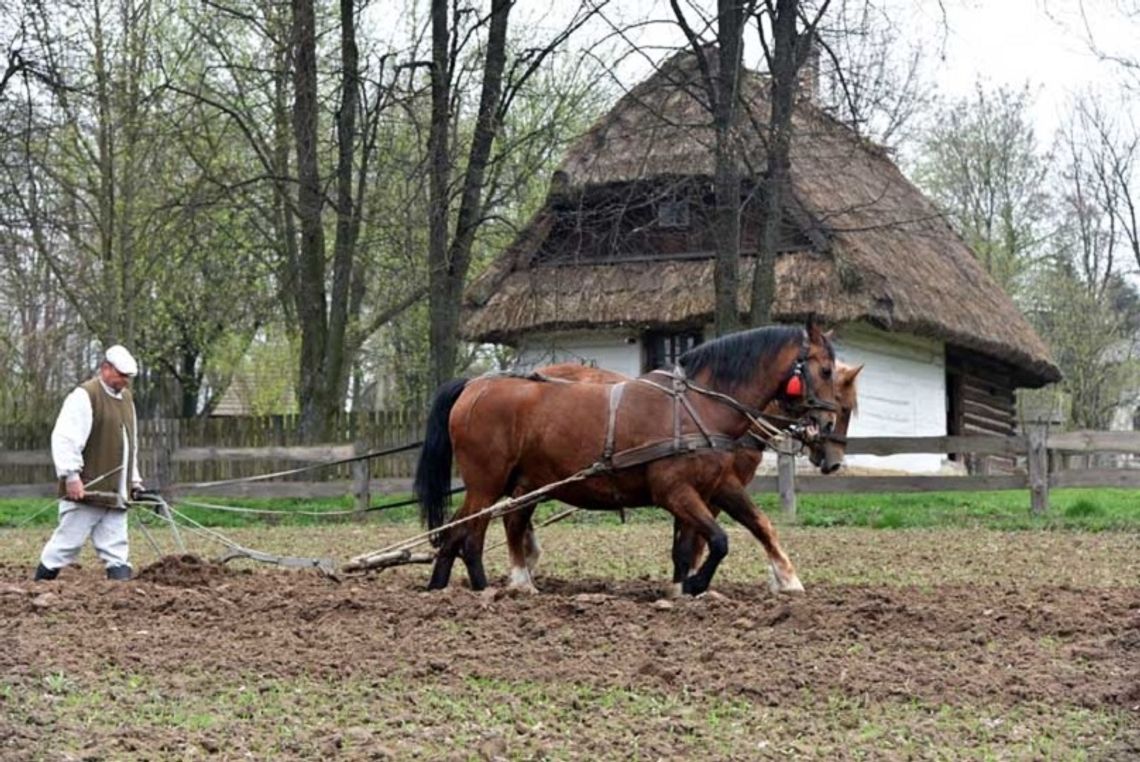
848 373
815 333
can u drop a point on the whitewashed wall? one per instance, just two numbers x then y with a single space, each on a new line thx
604 349
902 388
902 392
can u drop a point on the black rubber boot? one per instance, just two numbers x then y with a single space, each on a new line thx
119 573
42 573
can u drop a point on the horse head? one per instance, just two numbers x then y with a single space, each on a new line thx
808 390
828 451
794 366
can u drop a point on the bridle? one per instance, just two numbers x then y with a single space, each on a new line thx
796 394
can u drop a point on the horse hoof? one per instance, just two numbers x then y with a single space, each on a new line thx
522 582
790 585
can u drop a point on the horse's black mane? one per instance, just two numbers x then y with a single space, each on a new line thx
733 359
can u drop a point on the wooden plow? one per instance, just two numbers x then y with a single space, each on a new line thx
402 553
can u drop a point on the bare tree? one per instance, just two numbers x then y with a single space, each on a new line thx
981 164
869 74
720 63
449 255
788 31
1080 299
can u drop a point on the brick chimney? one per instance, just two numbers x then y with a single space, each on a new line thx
808 89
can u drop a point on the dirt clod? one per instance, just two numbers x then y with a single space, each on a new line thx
186 570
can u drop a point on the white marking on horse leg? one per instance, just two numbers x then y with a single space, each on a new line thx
788 582
675 590
521 580
533 552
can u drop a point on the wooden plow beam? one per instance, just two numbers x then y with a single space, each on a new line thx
401 553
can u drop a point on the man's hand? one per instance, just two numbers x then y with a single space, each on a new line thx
140 494
75 491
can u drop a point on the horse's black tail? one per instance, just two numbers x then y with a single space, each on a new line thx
432 485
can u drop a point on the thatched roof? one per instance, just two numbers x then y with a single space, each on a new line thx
889 257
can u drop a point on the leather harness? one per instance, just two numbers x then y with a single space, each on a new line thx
704 439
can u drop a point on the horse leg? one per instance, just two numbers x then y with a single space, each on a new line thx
782 574
459 540
445 557
520 538
472 550
687 546
532 547
687 507
682 533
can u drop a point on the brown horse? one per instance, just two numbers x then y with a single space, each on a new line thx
663 440
825 452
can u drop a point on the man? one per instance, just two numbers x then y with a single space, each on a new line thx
95 448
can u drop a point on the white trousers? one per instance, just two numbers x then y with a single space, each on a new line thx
107 528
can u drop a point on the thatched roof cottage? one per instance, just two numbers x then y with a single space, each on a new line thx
616 268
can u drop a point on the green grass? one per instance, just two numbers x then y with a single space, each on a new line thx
1070 509
1074 509
476 718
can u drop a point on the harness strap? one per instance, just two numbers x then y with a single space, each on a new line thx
678 392
680 384
663 448
616 392
696 418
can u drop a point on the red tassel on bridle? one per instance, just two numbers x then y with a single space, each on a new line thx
794 387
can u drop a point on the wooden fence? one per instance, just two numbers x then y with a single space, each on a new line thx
178 452
1045 460
183 451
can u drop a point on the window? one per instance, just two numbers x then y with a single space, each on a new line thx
673 214
662 349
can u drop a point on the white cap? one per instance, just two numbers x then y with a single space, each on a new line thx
123 361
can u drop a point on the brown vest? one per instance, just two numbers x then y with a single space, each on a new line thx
104 449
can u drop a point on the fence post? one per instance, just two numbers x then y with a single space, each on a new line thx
164 441
361 482
1037 461
786 483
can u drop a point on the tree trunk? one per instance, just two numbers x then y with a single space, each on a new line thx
726 217
190 383
337 356
785 65
309 288
442 344
449 264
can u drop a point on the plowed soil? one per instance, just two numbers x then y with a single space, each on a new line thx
185 625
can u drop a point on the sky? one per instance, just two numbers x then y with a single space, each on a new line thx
1045 44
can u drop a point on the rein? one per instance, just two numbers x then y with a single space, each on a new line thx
762 428
765 433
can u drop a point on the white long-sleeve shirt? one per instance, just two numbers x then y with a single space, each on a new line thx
69 437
